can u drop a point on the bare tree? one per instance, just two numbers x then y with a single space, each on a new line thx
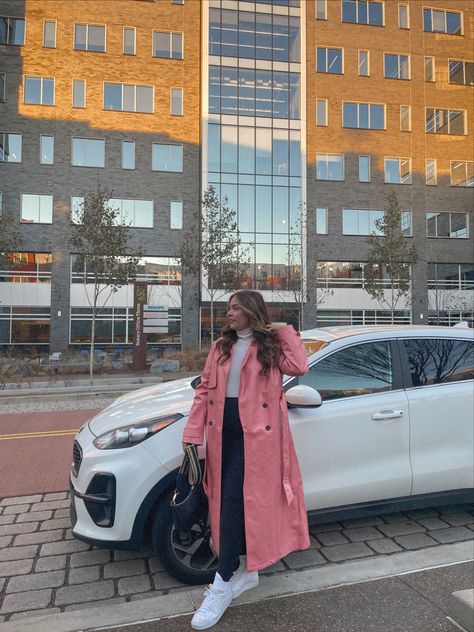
218 256
389 249
101 243
10 241
299 275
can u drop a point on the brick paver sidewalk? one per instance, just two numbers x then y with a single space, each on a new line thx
43 567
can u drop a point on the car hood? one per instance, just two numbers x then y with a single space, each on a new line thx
144 404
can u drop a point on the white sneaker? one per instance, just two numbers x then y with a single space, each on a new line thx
213 607
241 581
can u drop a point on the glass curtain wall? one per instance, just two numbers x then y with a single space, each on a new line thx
254 129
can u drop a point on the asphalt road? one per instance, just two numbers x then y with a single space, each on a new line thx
36 449
414 602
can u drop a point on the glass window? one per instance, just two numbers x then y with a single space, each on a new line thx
364 168
12 31
322 112
177 101
403 16
329 167
321 221
49 34
406 223
439 361
430 69
453 225
129 40
405 118
441 21
88 152
398 170
36 209
329 60
176 215
321 9
461 72
128 154
47 150
10 147
39 91
396 66
167 157
363 115
361 369
128 98
462 173
431 172
135 213
78 93
89 37
440 121
360 222
364 63
3 85
167 44
363 12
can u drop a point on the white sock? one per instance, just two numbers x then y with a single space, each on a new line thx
243 561
219 583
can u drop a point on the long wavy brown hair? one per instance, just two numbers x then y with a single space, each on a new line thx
268 346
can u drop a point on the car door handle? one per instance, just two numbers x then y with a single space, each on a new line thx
387 414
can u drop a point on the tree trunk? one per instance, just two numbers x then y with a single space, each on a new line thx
212 316
91 352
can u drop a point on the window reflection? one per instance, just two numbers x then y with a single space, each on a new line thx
359 370
438 361
249 92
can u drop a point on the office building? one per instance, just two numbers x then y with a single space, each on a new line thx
314 109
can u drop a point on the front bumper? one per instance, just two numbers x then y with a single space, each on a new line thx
108 488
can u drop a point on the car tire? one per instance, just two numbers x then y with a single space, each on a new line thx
191 561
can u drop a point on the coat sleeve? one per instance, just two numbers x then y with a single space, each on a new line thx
194 429
293 359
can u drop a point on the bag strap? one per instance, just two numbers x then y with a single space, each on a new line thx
195 471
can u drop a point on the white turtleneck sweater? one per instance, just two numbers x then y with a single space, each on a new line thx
245 337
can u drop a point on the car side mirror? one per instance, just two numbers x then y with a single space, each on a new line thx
303 396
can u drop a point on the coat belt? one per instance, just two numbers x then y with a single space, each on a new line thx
285 450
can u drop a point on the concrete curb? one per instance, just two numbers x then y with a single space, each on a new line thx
183 603
462 609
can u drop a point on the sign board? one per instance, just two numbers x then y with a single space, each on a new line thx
139 337
155 319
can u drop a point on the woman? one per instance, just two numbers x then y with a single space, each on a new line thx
252 478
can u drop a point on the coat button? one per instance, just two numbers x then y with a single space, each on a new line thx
265 405
267 428
211 401
211 422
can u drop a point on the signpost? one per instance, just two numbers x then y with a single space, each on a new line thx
139 337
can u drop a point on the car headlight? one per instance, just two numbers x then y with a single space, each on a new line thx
130 435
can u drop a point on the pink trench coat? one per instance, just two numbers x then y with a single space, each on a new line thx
275 512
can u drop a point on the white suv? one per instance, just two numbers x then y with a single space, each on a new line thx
394 431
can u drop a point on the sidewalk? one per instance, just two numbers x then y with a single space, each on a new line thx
45 571
78 386
415 602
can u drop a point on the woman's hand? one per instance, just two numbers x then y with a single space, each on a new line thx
273 327
185 445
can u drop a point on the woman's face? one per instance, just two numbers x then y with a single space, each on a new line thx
236 316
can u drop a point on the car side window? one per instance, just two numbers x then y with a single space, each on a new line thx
357 370
437 361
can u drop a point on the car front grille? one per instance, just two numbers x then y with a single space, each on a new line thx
76 458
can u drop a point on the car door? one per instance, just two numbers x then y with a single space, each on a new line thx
355 447
440 395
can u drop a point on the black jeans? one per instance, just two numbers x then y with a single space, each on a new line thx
232 526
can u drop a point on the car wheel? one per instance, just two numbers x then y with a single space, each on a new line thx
189 556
